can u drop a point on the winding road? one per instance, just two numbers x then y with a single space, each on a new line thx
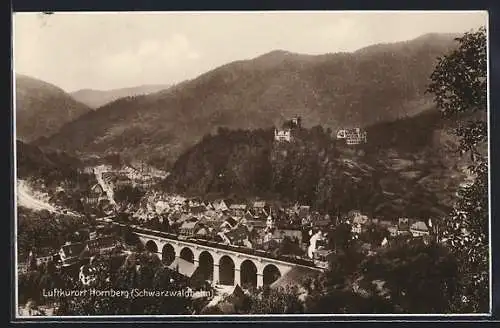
26 199
98 171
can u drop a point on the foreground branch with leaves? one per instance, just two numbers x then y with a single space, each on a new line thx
459 85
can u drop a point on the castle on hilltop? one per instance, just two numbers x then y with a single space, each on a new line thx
354 136
285 134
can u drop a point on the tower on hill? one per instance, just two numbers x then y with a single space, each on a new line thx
296 122
286 131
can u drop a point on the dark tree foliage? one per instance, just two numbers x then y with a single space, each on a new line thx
347 302
419 278
313 169
408 277
459 84
128 236
141 271
332 291
340 237
290 246
274 301
36 232
374 234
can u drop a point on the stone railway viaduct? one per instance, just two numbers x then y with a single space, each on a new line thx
219 265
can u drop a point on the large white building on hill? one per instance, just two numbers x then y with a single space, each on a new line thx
354 136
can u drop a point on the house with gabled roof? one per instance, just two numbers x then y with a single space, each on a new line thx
259 204
249 216
207 223
197 210
72 253
187 228
220 205
259 207
100 245
360 219
44 255
256 225
95 194
210 214
419 229
238 209
202 232
229 223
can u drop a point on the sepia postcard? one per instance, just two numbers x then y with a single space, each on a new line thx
244 164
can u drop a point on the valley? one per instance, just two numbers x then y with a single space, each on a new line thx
284 183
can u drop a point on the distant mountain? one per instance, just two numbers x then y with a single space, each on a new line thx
42 108
376 84
98 98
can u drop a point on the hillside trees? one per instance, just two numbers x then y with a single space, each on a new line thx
459 85
317 171
417 278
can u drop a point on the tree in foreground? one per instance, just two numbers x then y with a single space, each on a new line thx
459 85
274 301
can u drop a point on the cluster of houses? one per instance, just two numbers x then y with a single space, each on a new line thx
254 225
72 253
126 176
260 225
403 227
142 176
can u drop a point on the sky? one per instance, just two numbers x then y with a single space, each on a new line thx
115 50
